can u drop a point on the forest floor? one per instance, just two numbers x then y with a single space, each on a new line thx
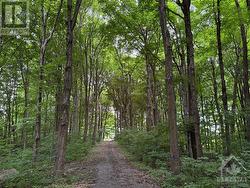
107 167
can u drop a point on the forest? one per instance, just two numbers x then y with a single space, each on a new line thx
124 93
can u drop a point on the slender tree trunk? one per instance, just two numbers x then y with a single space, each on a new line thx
8 124
86 98
58 97
172 122
216 101
235 88
194 117
80 123
184 98
216 127
223 82
154 97
44 42
25 79
246 93
39 104
25 115
96 88
46 129
75 113
86 115
150 117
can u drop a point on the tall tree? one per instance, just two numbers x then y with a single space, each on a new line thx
216 99
66 93
194 117
226 136
172 122
245 62
45 38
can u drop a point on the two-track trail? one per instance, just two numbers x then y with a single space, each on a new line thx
107 167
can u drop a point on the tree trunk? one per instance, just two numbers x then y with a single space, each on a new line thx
216 101
44 42
81 107
172 122
96 93
39 103
86 98
194 118
75 113
149 74
65 102
246 93
58 97
223 82
25 79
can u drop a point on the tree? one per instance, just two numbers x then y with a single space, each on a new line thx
223 82
65 100
174 150
245 62
43 45
194 118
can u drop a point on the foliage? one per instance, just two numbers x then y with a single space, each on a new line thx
147 147
39 174
119 81
77 150
149 153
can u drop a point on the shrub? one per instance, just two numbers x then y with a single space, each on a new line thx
149 147
39 174
77 149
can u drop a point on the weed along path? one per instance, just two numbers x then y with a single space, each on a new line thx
112 170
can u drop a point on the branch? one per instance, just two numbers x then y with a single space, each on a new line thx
77 9
43 22
175 13
55 23
179 3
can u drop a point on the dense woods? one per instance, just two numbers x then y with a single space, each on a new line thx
167 79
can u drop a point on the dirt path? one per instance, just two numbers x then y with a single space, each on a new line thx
110 169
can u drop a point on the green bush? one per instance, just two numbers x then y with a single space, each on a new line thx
150 150
77 149
149 147
39 174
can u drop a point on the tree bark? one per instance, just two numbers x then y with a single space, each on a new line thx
172 122
39 104
75 113
65 102
58 97
223 82
246 93
86 98
216 101
43 45
194 117
96 94
25 79
150 115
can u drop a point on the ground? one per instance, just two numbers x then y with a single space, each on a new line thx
107 167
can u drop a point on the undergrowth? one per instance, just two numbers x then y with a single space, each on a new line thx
39 173
149 152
